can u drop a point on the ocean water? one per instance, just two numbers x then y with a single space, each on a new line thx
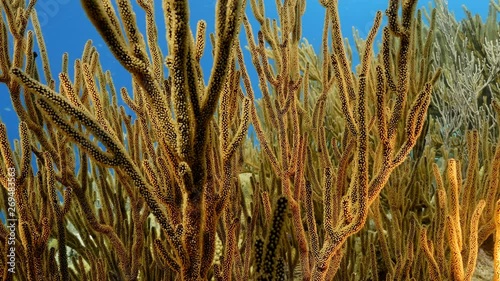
66 29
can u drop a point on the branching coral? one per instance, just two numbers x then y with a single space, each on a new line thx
164 188
176 151
470 81
345 205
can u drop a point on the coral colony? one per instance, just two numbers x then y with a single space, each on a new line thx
388 172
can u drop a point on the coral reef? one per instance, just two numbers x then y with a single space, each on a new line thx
388 172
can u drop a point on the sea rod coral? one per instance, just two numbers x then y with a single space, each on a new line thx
159 182
345 206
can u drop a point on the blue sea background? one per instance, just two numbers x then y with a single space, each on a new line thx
66 29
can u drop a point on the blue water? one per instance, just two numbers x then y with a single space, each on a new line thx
66 29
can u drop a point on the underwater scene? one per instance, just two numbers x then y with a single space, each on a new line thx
193 140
